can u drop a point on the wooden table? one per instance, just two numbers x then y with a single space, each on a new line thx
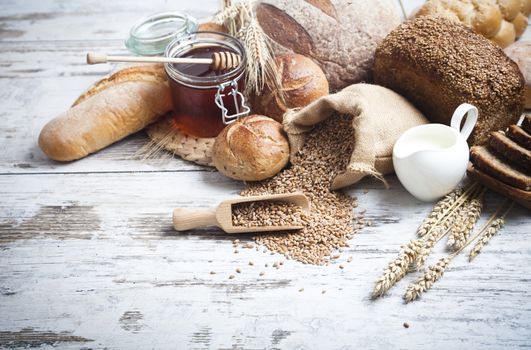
88 257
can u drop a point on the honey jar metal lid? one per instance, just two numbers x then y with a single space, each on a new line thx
152 34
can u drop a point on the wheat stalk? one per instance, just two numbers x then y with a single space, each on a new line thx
431 275
429 242
439 211
464 225
397 268
493 228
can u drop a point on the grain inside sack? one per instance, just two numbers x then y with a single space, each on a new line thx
330 224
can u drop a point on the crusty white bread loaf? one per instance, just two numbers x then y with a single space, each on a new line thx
302 83
115 107
520 52
339 35
501 21
438 64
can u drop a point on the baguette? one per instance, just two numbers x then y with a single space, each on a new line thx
518 135
112 109
491 164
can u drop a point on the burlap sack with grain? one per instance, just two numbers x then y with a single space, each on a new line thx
380 116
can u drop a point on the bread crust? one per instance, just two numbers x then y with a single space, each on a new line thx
116 106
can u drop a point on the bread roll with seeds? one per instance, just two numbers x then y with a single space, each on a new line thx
251 149
438 64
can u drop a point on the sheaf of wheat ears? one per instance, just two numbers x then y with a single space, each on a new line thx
451 209
397 268
495 225
434 272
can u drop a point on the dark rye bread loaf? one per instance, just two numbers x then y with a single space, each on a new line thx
518 135
490 163
511 151
438 64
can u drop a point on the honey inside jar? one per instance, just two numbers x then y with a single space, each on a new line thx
194 86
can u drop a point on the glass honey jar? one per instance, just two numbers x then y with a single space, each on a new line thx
204 99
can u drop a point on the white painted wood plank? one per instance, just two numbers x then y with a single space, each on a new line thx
35 20
106 255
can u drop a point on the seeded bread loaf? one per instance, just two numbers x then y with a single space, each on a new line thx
438 64
511 151
492 164
339 35
501 21
518 135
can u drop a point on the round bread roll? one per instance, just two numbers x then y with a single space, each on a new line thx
302 83
505 36
339 35
502 21
438 64
251 149
520 25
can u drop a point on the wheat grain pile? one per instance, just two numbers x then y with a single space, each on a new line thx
331 222
253 214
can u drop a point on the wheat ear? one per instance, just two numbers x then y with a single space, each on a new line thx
494 227
465 222
426 281
397 268
439 211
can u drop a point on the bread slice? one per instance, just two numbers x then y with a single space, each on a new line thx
526 123
516 194
518 135
510 150
490 163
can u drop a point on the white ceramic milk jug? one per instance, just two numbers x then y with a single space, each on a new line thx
430 160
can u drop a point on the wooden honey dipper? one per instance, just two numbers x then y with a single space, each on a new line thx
219 61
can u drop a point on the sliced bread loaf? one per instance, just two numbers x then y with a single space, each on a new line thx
512 151
492 164
518 135
526 123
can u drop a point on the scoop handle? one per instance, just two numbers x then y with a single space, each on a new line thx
187 219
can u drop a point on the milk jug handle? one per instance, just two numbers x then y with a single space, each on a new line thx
471 113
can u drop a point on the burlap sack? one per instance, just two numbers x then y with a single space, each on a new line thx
380 116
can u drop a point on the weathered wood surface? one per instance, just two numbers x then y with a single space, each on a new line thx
88 258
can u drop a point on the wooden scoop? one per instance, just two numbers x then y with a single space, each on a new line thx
219 61
221 216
